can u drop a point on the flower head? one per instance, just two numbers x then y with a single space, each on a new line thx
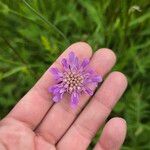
76 78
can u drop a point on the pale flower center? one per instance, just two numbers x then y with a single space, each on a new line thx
72 81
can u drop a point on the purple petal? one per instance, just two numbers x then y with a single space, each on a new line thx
89 71
61 95
51 89
74 99
73 61
56 72
88 91
62 90
56 90
71 57
64 63
76 62
97 79
85 62
57 97
87 80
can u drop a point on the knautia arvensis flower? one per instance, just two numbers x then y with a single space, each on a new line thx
75 78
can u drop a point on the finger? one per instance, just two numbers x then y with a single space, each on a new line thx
34 105
2 147
61 115
113 135
85 127
40 143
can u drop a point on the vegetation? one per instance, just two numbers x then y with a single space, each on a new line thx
34 33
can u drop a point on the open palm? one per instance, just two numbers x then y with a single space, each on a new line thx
37 123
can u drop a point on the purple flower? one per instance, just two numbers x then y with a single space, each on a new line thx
76 78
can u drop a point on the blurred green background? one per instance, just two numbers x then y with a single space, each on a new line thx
33 33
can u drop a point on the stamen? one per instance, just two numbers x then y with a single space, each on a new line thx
72 81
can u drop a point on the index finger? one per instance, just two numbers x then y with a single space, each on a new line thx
35 104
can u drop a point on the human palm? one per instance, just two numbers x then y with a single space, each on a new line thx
37 123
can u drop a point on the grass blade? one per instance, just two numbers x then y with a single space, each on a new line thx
44 20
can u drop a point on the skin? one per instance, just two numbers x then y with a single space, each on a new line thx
37 123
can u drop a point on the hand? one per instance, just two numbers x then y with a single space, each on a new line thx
36 123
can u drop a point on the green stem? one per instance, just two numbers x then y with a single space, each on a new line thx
42 18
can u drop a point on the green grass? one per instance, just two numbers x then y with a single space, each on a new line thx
34 33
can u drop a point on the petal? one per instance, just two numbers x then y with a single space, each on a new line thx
89 71
72 61
57 97
87 80
77 65
88 91
51 89
85 62
56 90
74 99
56 72
62 90
97 79
65 63
71 57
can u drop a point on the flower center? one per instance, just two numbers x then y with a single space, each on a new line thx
72 81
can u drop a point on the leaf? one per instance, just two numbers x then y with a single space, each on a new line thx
45 42
44 20
4 8
139 20
11 72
